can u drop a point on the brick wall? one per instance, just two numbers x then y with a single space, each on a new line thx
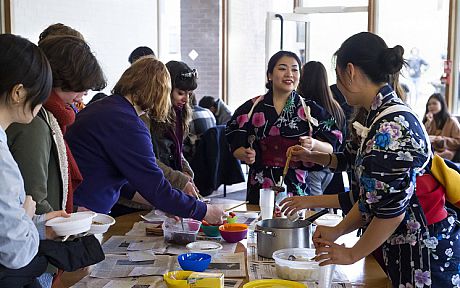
200 30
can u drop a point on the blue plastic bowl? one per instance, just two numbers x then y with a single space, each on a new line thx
197 262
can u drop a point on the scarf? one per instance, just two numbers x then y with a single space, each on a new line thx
176 135
65 116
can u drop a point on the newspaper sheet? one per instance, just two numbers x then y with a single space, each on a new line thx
233 265
115 266
144 282
266 270
123 244
141 282
139 228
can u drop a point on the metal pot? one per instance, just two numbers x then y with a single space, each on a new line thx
282 233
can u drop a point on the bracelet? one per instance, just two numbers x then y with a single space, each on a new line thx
330 160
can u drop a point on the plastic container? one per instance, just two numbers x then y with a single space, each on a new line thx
197 262
208 247
233 233
101 224
175 233
177 279
296 264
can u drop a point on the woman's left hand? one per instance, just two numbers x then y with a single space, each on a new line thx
330 253
50 234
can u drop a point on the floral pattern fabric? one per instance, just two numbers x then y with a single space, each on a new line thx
273 135
386 166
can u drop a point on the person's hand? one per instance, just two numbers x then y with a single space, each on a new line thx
291 205
299 153
214 214
190 189
429 116
307 142
50 234
30 206
247 155
325 233
328 253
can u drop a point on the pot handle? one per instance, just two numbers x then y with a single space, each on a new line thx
269 233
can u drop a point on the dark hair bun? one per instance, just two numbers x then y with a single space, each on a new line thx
392 59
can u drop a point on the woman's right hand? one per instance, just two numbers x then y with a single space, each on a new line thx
247 155
30 206
429 116
325 233
299 153
214 214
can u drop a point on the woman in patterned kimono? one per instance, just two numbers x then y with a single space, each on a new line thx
262 129
394 150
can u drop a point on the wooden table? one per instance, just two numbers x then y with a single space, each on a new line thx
365 273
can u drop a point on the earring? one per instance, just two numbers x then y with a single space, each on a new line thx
350 82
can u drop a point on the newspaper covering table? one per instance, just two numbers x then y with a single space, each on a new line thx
139 282
123 244
116 266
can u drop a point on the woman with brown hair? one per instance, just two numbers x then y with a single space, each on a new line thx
112 146
444 129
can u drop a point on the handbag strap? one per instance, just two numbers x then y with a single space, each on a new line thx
363 131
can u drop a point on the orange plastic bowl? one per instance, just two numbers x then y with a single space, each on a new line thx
233 233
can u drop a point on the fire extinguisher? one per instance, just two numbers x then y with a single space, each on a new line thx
445 78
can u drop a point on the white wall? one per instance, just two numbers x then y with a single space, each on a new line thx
113 28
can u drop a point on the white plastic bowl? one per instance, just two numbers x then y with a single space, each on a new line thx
101 224
328 220
208 247
78 222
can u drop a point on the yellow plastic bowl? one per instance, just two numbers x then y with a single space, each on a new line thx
274 283
177 279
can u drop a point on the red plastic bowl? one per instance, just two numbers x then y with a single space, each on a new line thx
233 233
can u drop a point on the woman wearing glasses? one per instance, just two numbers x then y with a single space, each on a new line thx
168 136
113 147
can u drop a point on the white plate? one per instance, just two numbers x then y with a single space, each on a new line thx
77 223
208 247
102 225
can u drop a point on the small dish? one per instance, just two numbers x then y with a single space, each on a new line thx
101 224
197 262
210 230
233 233
208 247
78 222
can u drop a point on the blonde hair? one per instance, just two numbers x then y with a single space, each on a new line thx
149 84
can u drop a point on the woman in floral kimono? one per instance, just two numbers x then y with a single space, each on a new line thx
392 150
264 127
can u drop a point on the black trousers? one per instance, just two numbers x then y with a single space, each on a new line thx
25 276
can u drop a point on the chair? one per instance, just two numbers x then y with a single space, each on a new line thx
213 162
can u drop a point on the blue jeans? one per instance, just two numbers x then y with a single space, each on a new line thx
46 280
319 181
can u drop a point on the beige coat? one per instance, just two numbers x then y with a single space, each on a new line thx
446 141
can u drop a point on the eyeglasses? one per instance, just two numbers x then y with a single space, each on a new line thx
191 74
